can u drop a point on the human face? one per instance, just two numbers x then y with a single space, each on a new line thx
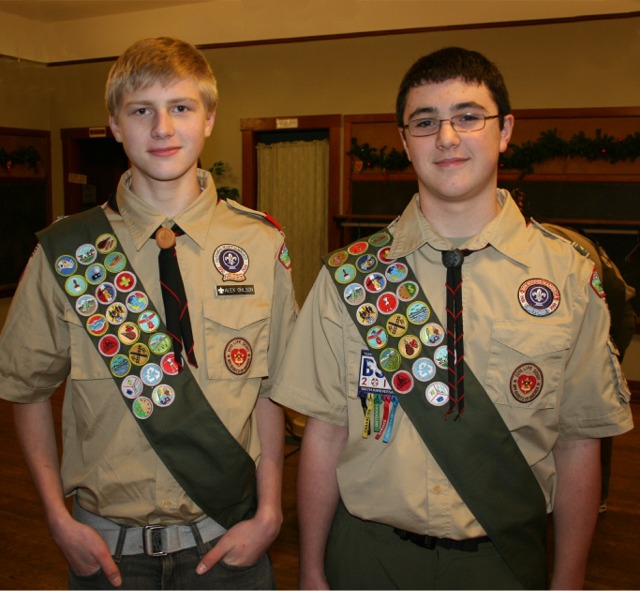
453 166
163 129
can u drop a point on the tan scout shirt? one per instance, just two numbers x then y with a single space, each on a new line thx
584 394
107 461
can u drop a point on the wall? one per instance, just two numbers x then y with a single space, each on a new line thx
582 64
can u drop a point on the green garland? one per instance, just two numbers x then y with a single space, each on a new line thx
549 145
521 157
28 156
394 161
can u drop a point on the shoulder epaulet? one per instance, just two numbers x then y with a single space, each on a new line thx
253 212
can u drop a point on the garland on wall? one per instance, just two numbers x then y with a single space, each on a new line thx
28 156
518 157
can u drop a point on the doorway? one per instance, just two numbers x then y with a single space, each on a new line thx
93 162
299 158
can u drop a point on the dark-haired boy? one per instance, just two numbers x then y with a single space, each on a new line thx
462 374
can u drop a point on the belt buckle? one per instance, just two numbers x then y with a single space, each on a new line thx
152 540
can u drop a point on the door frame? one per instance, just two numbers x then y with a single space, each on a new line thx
251 128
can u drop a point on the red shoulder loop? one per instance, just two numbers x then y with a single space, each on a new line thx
269 218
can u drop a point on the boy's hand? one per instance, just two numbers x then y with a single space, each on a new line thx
243 545
85 551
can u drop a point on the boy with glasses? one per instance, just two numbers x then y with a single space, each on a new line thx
461 375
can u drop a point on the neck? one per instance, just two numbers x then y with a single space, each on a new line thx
459 219
168 197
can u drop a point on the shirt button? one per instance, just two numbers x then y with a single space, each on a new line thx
437 489
164 504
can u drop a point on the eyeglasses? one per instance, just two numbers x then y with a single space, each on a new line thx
464 123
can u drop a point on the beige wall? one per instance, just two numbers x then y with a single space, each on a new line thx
583 64
586 64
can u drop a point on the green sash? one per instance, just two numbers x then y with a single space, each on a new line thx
174 415
477 453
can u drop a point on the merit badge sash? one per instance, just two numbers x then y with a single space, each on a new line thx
171 409
477 452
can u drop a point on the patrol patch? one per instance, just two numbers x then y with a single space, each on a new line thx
526 382
283 257
238 355
596 284
539 297
231 262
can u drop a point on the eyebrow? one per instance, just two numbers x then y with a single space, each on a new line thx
455 108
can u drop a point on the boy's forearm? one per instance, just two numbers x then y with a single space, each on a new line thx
36 434
576 509
270 418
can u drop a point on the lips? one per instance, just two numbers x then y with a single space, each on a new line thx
164 152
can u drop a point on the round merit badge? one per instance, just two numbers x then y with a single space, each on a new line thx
437 393
402 381
238 355
131 386
526 382
539 297
142 407
66 265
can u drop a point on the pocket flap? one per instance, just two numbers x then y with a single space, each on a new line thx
547 339
236 313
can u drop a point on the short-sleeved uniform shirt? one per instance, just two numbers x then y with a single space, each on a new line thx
551 372
107 461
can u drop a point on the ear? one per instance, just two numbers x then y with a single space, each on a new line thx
209 121
506 131
401 131
115 128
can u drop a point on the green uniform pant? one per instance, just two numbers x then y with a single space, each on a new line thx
367 555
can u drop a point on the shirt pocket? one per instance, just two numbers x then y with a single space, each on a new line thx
86 362
526 364
237 338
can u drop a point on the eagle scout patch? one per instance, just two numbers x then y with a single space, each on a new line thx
526 382
539 297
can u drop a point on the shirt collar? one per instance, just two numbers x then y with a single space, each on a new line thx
505 233
142 220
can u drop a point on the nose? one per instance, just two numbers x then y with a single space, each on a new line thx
162 125
446 136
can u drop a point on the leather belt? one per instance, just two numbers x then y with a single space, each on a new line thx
430 542
152 540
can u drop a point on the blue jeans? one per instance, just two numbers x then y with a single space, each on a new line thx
178 571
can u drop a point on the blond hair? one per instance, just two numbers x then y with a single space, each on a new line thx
164 60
